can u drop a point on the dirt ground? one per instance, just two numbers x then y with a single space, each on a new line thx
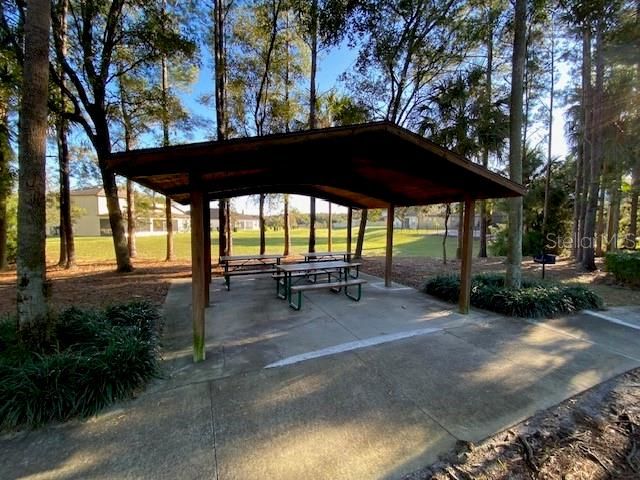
595 435
97 284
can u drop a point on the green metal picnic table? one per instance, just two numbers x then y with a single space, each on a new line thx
248 265
337 268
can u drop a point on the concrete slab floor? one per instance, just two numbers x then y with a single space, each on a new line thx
375 412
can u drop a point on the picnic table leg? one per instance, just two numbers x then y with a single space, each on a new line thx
357 272
352 297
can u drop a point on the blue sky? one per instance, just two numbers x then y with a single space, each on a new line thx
331 65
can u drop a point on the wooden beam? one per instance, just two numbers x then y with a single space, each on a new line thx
207 249
349 228
467 249
198 278
388 264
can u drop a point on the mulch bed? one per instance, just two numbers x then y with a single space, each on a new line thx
595 435
98 284
413 271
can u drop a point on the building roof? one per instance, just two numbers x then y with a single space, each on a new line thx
88 191
368 165
215 215
96 191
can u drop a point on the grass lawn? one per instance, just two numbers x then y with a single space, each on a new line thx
407 243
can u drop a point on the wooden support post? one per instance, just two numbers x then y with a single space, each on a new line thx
329 222
349 229
207 248
467 249
388 264
198 279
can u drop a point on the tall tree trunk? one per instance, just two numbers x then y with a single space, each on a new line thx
131 220
361 230
67 245
588 257
514 247
312 224
31 299
630 241
613 224
577 192
312 110
314 60
600 224
586 137
484 214
115 215
460 231
5 182
547 182
220 68
171 256
447 214
222 228
263 243
287 226
131 200
165 143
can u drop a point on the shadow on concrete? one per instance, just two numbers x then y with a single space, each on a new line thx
379 412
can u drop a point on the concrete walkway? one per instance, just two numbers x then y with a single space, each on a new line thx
374 389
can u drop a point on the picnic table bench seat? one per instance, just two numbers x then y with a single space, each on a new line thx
233 273
334 286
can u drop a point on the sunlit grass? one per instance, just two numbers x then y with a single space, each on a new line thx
406 243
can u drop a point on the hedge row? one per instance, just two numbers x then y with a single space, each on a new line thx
533 300
624 266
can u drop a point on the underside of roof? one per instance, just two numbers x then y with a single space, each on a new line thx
365 166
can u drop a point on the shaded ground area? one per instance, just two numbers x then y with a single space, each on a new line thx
354 412
591 436
413 271
97 284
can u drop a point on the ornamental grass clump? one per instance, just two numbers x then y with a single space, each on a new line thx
534 299
90 359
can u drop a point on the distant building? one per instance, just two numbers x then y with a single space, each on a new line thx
93 217
241 221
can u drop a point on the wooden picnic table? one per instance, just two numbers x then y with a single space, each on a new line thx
337 268
326 256
248 265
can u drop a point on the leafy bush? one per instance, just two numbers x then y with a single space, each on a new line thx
624 266
534 299
93 358
532 243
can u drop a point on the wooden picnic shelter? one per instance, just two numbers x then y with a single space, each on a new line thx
372 165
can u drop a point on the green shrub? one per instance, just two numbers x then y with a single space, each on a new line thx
624 266
533 300
532 243
94 358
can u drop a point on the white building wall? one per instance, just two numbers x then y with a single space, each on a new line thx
87 224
